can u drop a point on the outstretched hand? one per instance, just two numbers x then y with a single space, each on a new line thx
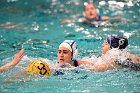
14 62
17 57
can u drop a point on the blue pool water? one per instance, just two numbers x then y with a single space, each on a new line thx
36 26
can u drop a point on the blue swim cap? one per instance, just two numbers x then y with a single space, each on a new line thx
119 42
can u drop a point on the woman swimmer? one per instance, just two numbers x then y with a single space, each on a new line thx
67 53
91 16
114 56
14 62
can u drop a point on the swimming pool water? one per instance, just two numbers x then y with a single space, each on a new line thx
36 26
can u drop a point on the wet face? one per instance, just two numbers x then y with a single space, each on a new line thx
90 12
64 55
105 47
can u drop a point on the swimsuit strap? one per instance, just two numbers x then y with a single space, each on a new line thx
99 18
75 63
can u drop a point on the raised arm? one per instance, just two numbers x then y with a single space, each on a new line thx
14 62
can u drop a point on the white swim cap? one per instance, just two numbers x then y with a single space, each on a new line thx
70 45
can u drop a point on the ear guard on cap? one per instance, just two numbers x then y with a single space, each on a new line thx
119 42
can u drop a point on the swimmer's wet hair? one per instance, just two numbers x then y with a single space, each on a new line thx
119 42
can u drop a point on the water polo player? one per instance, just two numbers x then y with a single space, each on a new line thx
92 18
121 43
112 50
131 59
67 53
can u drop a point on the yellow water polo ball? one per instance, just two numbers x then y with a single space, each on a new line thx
38 67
